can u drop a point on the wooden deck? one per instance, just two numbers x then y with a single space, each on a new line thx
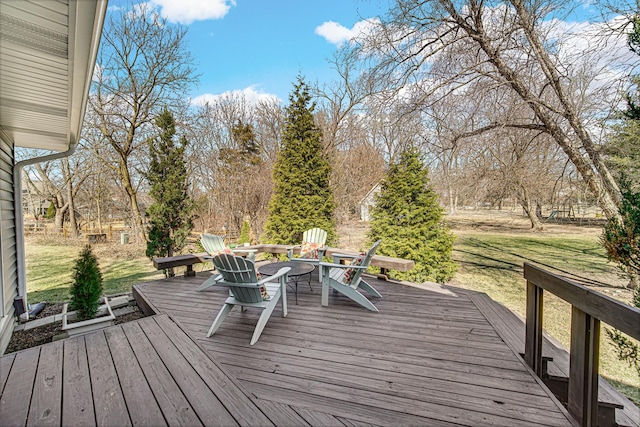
148 372
430 357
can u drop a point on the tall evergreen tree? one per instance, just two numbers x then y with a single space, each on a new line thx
302 197
621 239
171 214
409 220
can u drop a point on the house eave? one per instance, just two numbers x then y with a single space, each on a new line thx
48 51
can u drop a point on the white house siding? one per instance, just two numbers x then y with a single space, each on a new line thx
8 264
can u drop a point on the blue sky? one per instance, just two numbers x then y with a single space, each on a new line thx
258 47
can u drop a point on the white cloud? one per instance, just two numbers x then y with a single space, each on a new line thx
97 73
338 34
250 94
188 11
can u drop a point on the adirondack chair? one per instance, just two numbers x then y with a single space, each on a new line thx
347 278
215 245
245 290
312 248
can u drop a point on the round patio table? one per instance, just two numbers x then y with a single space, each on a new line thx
298 269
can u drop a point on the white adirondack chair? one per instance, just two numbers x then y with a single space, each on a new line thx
245 290
214 245
312 248
347 278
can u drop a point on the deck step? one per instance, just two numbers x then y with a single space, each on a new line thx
614 409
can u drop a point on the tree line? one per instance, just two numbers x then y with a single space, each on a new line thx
497 101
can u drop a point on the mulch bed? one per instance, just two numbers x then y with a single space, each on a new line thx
21 340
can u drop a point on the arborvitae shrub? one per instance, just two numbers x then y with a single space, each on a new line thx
302 197
87 285
410 222
245 233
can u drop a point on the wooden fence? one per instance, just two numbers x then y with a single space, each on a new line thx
588 309
108 233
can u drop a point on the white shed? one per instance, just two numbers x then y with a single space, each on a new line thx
367 202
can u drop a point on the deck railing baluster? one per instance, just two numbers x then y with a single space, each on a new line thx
588 309
533 341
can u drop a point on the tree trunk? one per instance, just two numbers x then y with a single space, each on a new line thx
170 271
452 199
61 208
590 167
66 174
99 214
138 226
525 202
73 223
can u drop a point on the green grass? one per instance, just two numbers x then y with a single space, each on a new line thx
491 262
49 268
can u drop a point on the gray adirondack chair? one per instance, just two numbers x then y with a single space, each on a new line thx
239 275
347 279
215 245
315 236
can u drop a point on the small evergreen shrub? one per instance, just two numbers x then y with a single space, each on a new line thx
51 212
245 233
87 285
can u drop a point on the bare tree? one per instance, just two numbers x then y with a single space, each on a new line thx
46 181
234 145
430 49
60 182
143 66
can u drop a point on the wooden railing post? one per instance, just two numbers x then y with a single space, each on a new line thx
533 334
583 367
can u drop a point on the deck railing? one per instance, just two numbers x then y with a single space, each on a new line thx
588 308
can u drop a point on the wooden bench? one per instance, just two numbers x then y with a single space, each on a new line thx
384 262
180 260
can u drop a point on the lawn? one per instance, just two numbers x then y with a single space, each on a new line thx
490 260
49 267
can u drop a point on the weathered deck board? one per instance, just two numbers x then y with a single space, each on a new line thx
412 377
5 367
147 372
15 407
143 407
45 405
429 357
111 409
77 401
